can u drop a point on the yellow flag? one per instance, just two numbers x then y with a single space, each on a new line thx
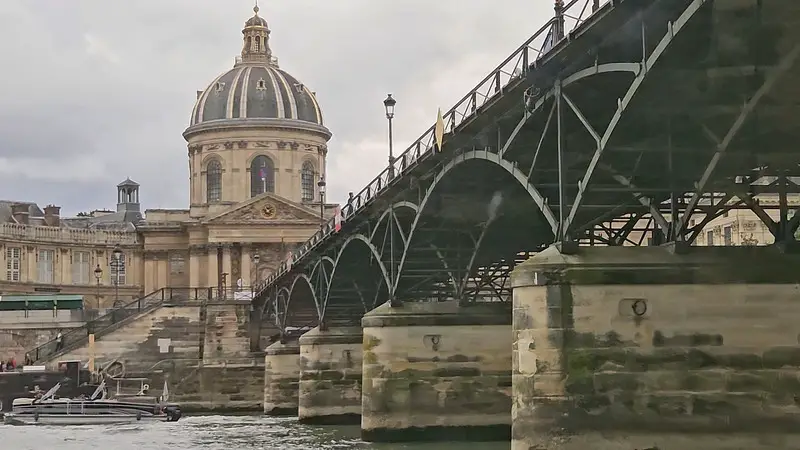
438 131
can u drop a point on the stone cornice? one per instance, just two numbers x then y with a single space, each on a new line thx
260 124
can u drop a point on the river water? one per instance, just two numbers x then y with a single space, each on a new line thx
211 433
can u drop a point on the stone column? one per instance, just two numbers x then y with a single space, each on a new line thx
246 265
213 267
32 272
281 377
330 376
437 372
619 348
150 272
227 267
65 266
195 277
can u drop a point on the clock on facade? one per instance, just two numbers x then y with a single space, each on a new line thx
268 211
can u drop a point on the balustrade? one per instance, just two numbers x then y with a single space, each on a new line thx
20 232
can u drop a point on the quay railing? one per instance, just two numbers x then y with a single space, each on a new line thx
568 17
77 336
39 233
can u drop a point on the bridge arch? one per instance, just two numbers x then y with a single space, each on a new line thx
499 166
390 214
302 307
367 282
280 305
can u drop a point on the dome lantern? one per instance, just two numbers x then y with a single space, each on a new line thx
256 40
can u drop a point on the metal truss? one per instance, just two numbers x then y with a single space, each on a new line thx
568 165
570 18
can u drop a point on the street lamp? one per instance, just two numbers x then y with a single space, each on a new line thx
98 274
256 259
321 185
117 258
389 105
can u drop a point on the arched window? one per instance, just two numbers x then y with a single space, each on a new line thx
258 44
307 182
214 181
262 176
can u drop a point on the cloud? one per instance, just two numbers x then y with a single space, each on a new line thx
96 46
94 94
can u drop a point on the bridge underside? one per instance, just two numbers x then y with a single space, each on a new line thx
637 131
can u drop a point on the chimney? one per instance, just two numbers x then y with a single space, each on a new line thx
52 215
199 94
21 212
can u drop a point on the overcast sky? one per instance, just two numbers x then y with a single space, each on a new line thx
94 91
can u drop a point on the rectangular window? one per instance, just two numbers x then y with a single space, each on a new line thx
727 235
117 270
13 256
709 238
45 264
80 268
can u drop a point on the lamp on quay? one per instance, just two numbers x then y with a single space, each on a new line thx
98 275
117 259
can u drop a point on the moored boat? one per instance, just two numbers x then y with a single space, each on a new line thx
95 410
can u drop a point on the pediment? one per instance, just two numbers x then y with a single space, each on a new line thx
264 209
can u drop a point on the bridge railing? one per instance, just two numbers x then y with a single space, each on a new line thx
568 16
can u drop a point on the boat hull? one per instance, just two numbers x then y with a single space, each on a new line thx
77 419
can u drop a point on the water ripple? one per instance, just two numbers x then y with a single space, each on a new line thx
209 433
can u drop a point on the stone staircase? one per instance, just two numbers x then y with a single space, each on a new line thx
118 318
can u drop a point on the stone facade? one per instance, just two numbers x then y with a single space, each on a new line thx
330 376
620 348
220 388
434 371
281 378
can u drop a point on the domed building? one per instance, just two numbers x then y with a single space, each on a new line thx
257 146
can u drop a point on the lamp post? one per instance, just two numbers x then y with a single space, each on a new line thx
389 105
98 274
321 185
256 259
117 258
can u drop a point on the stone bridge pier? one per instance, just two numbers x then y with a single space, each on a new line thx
623 347
437 371
330 376
281 377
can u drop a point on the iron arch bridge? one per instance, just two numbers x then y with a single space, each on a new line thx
633 122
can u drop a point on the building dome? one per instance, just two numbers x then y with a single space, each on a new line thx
256 91
256 88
